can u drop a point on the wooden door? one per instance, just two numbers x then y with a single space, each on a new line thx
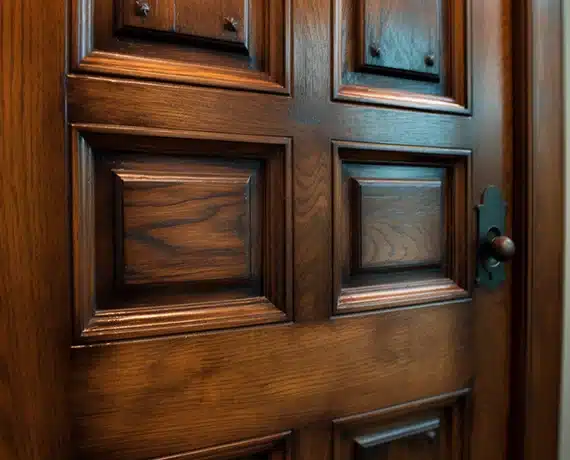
274 233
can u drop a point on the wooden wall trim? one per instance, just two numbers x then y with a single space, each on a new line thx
34 276
538 227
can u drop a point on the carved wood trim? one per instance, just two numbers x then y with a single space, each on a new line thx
456 97
456 283
93 323
95 49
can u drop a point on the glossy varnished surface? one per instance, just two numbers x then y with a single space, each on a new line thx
128 396
244 379
34 271
134 396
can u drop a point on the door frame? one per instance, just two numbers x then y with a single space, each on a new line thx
538 228
35 328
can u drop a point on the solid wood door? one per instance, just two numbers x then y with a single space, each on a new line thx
274 229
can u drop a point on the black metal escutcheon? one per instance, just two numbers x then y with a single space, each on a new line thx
494 248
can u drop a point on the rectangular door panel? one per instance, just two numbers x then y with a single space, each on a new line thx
178 231
399 215
403 53
241 44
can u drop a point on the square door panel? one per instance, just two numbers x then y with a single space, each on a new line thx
398 222
401 225
226 43
173 232
433 429
190 227
402 53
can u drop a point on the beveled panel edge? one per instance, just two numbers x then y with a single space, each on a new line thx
140 322
454 442
397 99
248 446
85 58
91 325
369 298
459 103
405 408
457 287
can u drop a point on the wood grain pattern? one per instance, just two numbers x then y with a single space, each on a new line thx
100 44
126 287
430 429
208 19
160 16
400 223
144 397
127 397
448 91
397 245
538 271
34 272
189 227
400 34
271 447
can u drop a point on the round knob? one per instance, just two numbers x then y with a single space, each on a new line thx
502 248
142 8
429 60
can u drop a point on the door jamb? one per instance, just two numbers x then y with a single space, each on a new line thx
538 225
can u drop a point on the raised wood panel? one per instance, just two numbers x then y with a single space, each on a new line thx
139 399
147 14
225 20
177 231
189 227
398 223
403 35
433 429
224 43
403 53
400 219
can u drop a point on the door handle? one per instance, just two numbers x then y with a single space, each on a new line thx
494 247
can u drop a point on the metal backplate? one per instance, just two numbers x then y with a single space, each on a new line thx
491 223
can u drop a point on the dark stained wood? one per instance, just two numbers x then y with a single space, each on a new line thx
429 429
538 229
403 35
200 223
400 222
126 397
124 286
361 76
34 268
401 225
226 20
193 394
101 45
271 447
160 14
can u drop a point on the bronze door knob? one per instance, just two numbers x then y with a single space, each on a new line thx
502 248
